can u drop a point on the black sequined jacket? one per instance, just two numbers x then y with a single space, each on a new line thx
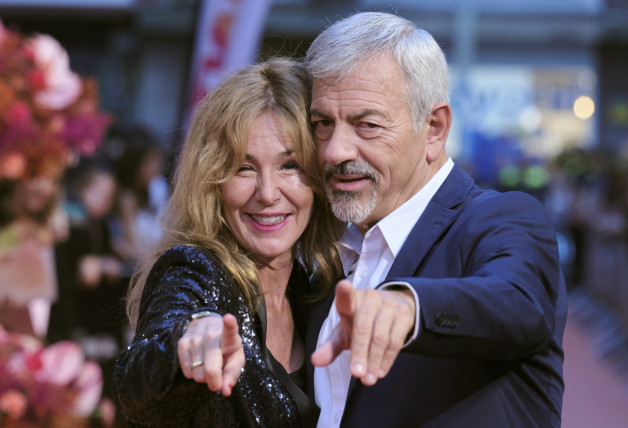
149 384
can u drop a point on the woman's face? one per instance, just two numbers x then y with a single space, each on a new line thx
99 195
39 192
268 202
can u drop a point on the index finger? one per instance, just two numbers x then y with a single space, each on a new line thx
346 302
362 330
230 334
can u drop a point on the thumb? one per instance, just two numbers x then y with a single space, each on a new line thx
328 352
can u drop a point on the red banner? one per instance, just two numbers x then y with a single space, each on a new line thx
227 38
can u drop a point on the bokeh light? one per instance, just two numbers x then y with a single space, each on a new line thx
583 107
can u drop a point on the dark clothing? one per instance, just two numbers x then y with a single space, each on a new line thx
92 316
80 310
492 315
150 385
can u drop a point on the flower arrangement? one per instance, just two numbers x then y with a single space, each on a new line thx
51 386
48 114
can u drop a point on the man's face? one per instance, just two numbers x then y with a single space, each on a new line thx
373 159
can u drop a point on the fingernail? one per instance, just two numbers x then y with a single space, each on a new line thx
358 369
370 378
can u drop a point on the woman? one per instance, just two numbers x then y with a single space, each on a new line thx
246 225
30 225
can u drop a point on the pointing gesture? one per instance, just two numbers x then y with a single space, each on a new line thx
373 325
211 352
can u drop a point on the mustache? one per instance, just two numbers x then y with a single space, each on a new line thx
350 168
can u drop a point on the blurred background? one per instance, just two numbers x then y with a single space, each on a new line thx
539 92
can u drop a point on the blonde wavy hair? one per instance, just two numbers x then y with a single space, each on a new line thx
215 148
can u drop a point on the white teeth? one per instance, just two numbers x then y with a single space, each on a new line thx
267 221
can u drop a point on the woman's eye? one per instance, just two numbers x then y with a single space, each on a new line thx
291 165
244 168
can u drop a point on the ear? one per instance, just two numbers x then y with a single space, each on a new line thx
438 123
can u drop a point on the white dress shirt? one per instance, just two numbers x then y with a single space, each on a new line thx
366 261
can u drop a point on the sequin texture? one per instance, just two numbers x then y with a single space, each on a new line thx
150 386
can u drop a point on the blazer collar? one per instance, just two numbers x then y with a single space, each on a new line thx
441 211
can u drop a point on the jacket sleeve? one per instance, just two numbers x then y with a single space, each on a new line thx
489 288
149 384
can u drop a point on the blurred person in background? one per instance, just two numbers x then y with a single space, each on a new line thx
143 191
31 223
454 306
222 299
92 285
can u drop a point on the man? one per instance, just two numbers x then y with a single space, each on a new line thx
454 306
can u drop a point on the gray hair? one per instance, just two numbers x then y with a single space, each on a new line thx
346 44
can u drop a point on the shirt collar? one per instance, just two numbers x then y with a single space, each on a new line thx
350 246
397 225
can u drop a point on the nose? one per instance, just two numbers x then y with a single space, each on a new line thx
268 191
340 147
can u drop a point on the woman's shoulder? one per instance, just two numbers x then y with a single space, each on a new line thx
195 264
194 276
188 255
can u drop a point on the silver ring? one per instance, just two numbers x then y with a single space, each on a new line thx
196 364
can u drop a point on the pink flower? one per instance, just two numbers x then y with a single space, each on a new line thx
107 412
13 403
83 132
63 85
19 114
89 385
12 166
37 79
62 362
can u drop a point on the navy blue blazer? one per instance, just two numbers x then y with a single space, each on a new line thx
492 315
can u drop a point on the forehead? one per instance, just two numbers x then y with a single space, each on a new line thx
268 134
377 80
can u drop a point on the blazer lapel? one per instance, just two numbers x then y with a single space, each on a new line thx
435 220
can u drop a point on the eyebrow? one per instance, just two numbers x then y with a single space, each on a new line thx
318 113
364 114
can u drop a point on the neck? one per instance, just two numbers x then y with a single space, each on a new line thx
274 282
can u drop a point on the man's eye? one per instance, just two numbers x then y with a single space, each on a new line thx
323 129
368 129
325 123
322 123
369 125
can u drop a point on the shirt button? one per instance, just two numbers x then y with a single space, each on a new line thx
363 273
336 418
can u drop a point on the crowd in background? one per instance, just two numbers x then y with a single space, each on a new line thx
81 230
586 194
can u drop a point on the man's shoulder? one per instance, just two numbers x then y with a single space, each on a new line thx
513 199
